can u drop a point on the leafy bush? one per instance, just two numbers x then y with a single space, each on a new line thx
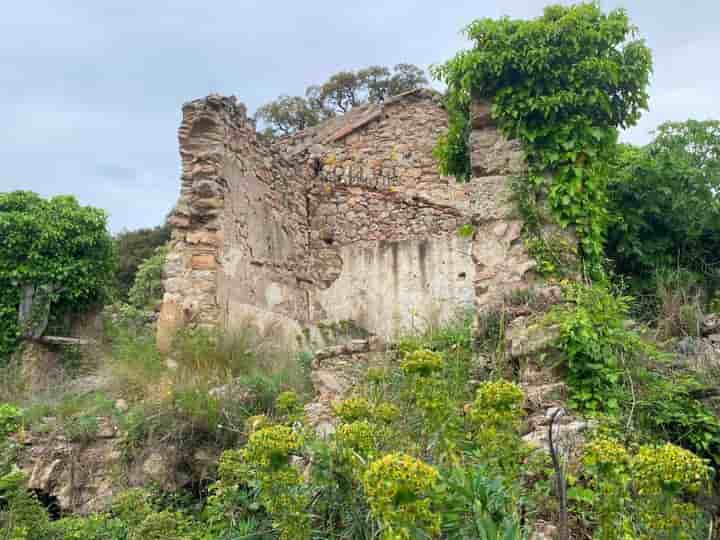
495 417
147 289
400 489
353 409
562 84
422 363
645 495
595 344
9 419
133 248
56 257
281 489
668 408
476 505
663 199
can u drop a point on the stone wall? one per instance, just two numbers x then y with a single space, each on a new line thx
239 244
348 220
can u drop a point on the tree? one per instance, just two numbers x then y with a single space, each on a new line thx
288 114
375 79
340 93
134 247
664 202
406 77
56 257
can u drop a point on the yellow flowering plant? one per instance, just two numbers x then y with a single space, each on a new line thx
400 490
353 409
266 461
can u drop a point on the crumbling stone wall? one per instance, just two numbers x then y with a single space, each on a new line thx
348 220
240 228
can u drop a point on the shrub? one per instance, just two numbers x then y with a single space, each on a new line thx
422 363
271 447
288 405
360 436
498 405
495 419
163 525
669 468
219 380
563 84
256 423
659 199
353 409
386 413
133 248
92 527
400 490
22 517
9 419
476 505
645 494
267 458
132 506
608 464
147 289
595 344
82 428
56 257
667 407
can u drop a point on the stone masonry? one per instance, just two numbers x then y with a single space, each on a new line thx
346 221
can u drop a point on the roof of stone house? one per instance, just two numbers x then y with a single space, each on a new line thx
338 127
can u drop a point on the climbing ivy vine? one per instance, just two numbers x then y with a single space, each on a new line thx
563 84
55 257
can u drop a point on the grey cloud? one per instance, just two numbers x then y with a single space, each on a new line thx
90 91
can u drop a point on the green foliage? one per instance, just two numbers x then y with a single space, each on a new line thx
607 462
21 516
360 436
134 247
147 289
281 489
422 362
270 448
400 490
288 404
498 405
353 409
163 525
55 248
219 381
476 505
132 506
9 419
562 84
595 344
645 495
288 114
663 199
668 408
495 417
340 93
93 527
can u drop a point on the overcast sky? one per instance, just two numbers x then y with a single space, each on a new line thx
91 90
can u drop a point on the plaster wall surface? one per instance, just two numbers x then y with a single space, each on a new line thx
391 286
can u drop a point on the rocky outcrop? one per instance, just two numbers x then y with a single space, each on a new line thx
82 476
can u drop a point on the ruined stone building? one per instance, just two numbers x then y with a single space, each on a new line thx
346 221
